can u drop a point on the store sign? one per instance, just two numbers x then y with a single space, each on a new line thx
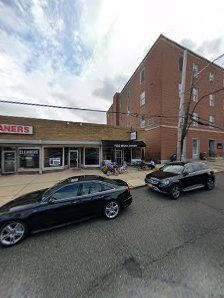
134 135
16 129
125 145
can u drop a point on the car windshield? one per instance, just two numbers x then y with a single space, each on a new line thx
176 169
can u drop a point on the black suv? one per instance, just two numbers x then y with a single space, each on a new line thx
175 177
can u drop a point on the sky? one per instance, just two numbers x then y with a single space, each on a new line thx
78 53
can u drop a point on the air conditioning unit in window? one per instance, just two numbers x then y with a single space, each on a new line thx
55 162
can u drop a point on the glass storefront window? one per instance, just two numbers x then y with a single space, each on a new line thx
66 157
108 153
29 158
136 153
53 157
92 156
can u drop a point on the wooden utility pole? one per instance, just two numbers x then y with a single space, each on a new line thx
181 108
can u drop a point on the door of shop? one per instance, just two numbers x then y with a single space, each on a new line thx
73 159
212 149
9 162
119 156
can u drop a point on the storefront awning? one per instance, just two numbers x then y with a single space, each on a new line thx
123 144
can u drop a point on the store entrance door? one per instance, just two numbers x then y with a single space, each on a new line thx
73 159
9 162
212 149
119 157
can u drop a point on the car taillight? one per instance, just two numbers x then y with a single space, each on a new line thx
129 190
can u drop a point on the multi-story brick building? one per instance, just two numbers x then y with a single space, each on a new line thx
151 100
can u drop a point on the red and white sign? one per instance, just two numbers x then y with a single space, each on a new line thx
16 129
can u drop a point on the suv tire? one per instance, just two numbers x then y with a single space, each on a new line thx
175 192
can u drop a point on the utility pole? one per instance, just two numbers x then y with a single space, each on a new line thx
181 107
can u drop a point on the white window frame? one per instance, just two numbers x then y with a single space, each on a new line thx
151 121
195 119
143 121
142 99
195 94
211 100
195 70
195 155
142 71
211 76
211 120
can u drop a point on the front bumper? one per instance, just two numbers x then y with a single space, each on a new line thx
157 187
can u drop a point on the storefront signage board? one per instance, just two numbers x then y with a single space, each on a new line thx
16 129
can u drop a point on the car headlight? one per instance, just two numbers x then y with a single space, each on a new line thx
165 182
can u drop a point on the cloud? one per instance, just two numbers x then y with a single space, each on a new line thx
188 43
109 87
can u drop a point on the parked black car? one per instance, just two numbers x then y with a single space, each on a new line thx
175 177
70 200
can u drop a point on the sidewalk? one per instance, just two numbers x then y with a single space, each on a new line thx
15 185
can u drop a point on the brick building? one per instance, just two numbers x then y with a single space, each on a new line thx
150 100
37 145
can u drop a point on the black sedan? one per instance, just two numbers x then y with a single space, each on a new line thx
71 200
175 177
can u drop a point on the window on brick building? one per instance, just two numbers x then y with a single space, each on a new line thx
142 99
195 119
143 121
195 69
211 100
211 120
180 63
151 121
211 76
195 94
129 93
142 76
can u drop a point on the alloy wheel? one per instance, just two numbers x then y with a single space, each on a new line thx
210 184
111 209
12 233
175 193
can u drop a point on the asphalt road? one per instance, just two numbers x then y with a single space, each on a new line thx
156 248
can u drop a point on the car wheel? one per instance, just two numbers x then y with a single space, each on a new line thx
12 232
210 184
175 192
111 209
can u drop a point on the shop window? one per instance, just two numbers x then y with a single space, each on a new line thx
108 153
29 158
92 156
53 157
136 153
66 156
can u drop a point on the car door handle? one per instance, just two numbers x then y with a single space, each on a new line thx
98 197
75 202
